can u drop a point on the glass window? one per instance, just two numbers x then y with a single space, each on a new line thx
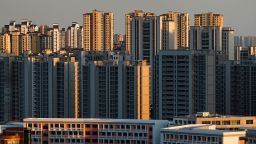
249 121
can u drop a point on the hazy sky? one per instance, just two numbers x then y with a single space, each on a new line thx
240 14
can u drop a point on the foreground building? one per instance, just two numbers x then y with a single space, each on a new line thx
14 133
251 136
94 131
4 89
222 122
200 133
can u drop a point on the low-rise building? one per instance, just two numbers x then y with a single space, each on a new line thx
200 134
14 133
221 121
251 136
93 131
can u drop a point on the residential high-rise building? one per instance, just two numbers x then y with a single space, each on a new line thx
15 47
25 24
173 31
25 42
55 38
249 41
115 89
108 26
141 35
205 38
35 44
54 87
238 41
209 19
44 42
42 98
235 91
5 95
62 38
137 90
80 37
172 92
65 86
72 35
119 42
6 42
20 88
1 43
43 29
228 42
98 31
204 67
183 82
39 86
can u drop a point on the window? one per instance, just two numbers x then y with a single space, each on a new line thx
95 126
226 122
45 126
206 122
249 121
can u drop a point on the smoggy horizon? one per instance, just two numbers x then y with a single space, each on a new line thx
237 14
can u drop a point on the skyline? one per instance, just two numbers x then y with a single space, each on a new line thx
49 12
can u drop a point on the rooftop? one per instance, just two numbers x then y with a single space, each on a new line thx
91 120
202 129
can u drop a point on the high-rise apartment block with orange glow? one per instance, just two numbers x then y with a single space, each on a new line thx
5 45
98 31
173 30
15 43
209 19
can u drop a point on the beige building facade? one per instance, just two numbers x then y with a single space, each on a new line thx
98 31
209 19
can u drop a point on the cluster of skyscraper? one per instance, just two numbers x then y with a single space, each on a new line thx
167 68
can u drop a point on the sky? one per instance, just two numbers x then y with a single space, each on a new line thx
239 14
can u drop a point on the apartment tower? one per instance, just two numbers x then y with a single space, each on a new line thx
141 35
98 31
173 30
209 19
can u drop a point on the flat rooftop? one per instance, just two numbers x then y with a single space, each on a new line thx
91 120
198 129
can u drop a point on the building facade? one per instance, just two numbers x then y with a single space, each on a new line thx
115 89
172 92
209 19
173 30
200 133
98 32
94 131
